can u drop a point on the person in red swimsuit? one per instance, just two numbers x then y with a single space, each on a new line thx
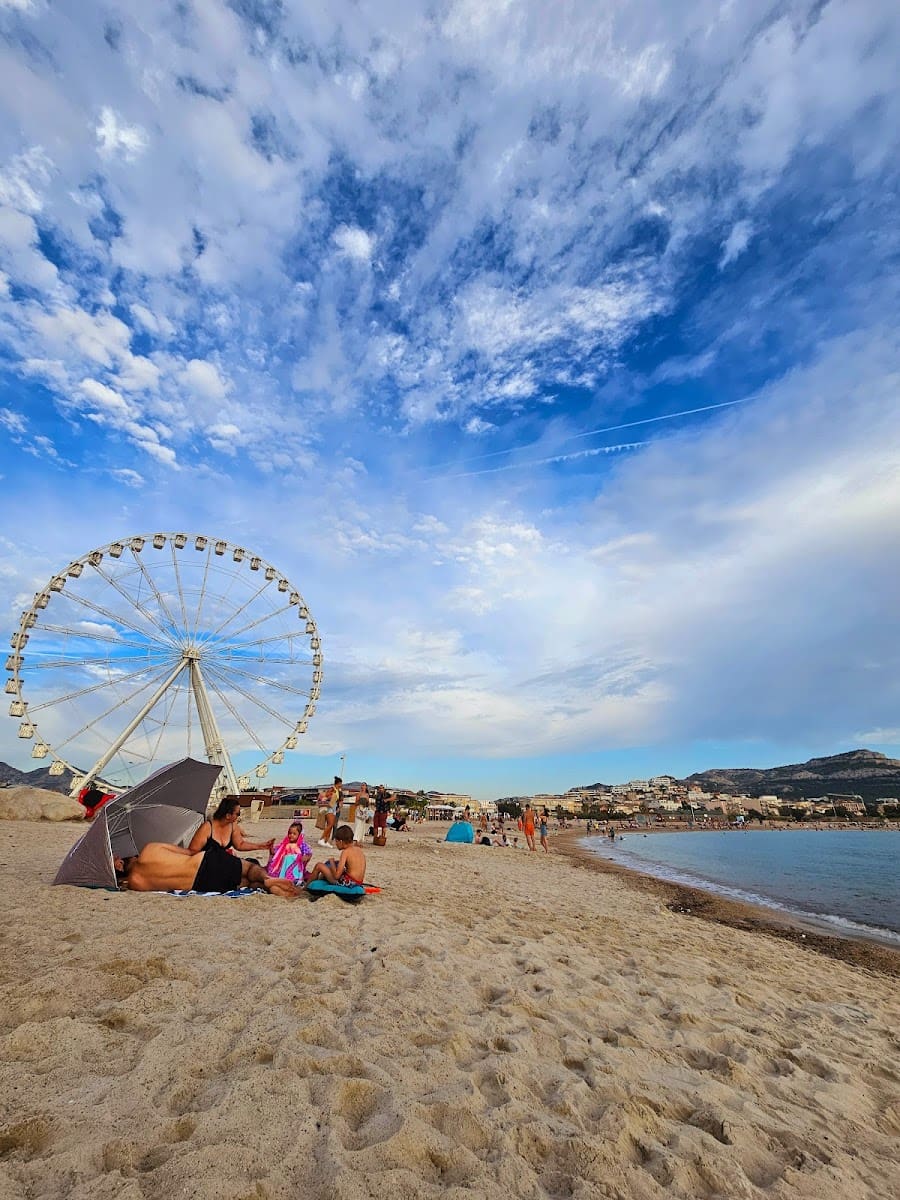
350 869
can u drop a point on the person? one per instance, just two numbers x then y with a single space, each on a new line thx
93 800
528 826
545 817
382 805
363 818
163 868
290 856
223 831
350 869
334 811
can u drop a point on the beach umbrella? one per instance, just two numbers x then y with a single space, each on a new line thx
168 806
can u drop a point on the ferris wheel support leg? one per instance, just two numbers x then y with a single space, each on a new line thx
212 739
130 728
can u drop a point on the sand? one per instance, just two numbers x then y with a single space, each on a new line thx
494 1024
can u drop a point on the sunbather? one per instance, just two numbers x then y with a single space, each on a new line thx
163 868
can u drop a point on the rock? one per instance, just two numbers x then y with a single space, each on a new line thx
61 808
24 803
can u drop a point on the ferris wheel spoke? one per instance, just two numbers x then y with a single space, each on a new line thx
254 737
164 723
268 641
86 691
215 633
287 721
236 633
88 725
232 670
136 604
110 614
68 632
196 630
82 660
151 584
177 570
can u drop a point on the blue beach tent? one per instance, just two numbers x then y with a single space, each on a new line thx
460 831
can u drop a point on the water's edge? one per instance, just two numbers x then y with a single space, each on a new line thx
828 923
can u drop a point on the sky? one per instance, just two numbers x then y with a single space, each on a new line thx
551 350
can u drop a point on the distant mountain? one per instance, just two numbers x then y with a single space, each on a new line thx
863 773
39 778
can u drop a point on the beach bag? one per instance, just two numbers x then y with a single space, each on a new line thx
322 818
380 839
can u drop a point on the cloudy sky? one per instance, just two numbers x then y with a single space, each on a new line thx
552 350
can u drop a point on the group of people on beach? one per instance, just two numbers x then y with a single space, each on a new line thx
530 824
210 862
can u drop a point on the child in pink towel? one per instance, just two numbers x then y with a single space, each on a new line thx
290 856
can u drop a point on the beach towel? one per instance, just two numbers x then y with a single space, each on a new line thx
236 894
289 861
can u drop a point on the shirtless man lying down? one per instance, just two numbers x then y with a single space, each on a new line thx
163 868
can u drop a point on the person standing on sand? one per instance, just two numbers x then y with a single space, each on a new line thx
528 826
382 805
334 811
363 818
545 817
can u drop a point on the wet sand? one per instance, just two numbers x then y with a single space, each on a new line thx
707 906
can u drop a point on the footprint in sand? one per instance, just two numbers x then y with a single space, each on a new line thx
24 1139
367 1113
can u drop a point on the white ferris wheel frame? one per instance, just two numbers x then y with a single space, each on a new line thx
188 664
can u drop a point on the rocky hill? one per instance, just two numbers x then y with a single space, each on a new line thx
863 773
39 778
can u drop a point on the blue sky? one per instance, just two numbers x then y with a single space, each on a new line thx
409 300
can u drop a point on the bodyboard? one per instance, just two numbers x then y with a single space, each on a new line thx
319 888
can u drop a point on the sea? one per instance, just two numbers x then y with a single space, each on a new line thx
846 880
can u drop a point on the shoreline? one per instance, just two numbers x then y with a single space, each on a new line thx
696 902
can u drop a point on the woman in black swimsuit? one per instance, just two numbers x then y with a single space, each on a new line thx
223 833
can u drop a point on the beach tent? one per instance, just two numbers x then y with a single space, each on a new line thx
168 806
460 831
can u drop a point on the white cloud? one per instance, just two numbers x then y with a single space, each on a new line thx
117 139
129 477
106 399
12 422
736 243
204 380
354 243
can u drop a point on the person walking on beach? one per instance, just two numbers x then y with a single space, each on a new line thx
528 826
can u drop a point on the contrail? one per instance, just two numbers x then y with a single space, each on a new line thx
688 412
554 458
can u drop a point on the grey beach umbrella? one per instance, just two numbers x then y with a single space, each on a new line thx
168 806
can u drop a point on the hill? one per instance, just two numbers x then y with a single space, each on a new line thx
38 778
864 773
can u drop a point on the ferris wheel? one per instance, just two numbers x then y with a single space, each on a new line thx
160 646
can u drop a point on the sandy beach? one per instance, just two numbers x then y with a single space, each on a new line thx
495 1023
